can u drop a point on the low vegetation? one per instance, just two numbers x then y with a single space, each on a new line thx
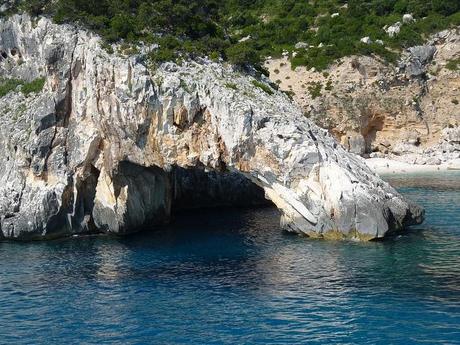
453 65
263 87
315 89
231 86
8 85
245 32
34 86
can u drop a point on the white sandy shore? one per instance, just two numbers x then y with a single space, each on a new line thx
386 166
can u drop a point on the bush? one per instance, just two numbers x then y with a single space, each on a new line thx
163 55
35 7
214 56
242 54
453 65
35 86
263 87
315 89
8 85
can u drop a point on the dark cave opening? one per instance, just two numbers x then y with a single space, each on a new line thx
197 188
140 198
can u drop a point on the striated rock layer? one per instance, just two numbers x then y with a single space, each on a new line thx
109 144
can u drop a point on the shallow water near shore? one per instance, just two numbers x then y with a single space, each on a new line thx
232 276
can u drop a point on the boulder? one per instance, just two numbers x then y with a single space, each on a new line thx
301 45
424 54
416 59
413 138
394 29
244 39
354 143
408 18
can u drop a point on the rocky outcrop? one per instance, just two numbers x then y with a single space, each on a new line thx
107 145
386 110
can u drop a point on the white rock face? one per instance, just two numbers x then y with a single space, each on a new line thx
98 148
366 40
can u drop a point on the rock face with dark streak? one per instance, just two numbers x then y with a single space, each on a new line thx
101 147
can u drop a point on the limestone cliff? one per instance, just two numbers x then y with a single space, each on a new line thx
409 111
100 147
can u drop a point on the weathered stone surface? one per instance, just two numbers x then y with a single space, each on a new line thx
451 135
423 53
384 102
417 59
354 143
97 149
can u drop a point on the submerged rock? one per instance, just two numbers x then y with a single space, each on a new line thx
98 149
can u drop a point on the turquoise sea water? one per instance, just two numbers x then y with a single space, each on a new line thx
231 276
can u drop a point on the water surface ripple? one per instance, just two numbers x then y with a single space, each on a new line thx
231 276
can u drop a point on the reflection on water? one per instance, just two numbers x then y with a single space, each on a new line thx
232 276
441 181
440 249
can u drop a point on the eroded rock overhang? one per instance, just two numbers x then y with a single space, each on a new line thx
95 149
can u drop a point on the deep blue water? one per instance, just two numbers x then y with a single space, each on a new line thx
231 276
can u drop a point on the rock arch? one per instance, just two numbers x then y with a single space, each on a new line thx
117 128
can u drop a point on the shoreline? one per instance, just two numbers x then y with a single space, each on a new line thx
386 166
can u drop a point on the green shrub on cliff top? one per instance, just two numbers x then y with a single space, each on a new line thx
202 27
